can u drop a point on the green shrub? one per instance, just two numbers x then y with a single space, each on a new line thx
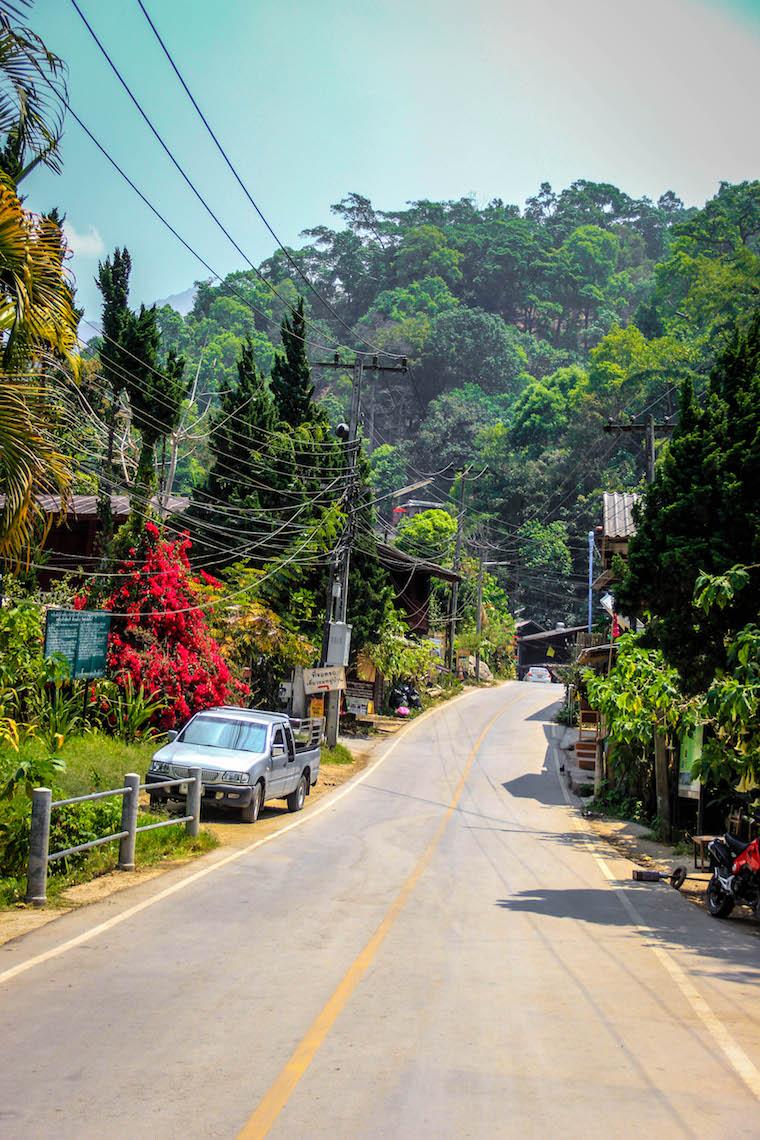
337 755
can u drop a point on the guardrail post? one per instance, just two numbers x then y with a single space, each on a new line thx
193 802
39 838
129 804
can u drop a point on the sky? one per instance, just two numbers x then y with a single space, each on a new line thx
398 100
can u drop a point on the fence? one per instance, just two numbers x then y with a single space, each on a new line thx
43 805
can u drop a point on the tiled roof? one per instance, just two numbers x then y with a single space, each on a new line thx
618 514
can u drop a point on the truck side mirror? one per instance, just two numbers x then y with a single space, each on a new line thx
171 735
278 750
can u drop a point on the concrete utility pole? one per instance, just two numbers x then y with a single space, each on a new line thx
650 429
336 610
590 577
455 585
479 614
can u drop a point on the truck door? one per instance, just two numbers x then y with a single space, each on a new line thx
280 766
293 773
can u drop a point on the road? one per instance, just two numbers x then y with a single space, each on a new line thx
441 952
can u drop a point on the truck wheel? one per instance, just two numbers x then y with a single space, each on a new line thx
250 813
296 798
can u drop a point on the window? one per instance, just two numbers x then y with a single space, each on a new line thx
218 732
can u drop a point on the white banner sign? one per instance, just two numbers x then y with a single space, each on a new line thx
325 680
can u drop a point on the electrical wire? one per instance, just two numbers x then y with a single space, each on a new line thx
175 233
247 193
180 169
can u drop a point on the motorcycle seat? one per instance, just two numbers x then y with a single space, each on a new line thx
736 846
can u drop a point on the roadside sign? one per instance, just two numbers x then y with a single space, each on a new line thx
324 680
317 705
360 698
690 753
81 636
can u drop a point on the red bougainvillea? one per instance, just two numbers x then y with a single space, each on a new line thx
159 637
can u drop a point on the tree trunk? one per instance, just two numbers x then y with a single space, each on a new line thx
662 784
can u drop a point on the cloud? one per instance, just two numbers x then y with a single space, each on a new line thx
88 244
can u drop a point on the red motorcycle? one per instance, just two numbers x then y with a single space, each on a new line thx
736 876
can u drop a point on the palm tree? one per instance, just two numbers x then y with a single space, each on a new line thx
38 324
32 98
30 464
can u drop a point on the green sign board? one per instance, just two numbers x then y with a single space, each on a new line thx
691 752
81 636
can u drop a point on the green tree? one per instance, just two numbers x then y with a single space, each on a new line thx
292 388
470 346
449 432
424 252
430 534
701 515
32 100
387 473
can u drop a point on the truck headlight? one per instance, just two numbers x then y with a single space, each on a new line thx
161 767
235 777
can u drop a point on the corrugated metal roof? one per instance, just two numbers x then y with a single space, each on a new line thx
554 634
618 514
394 559
83 506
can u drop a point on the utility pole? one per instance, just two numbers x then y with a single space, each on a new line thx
336 609
650 429
455 585
479 614
479 617
590 577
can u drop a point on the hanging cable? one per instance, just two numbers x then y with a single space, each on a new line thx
291 260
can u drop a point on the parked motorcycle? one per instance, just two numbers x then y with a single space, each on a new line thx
736 875
405 695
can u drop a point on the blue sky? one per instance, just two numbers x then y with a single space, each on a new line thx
399 99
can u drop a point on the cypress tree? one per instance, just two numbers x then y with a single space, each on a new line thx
292 388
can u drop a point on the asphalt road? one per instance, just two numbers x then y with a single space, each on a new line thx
442 952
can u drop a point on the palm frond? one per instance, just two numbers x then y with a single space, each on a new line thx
30 464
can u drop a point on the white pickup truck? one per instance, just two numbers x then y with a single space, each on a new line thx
247 757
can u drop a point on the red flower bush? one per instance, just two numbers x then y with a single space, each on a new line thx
160 638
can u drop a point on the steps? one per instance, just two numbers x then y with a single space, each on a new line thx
585 754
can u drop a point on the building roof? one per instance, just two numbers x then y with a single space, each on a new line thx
594 654
394 559
617 518
554 634
86 506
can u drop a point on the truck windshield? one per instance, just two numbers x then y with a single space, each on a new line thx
218 732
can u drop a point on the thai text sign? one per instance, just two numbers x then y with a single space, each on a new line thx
324 680
81 636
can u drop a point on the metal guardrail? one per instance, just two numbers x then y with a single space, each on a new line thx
43 804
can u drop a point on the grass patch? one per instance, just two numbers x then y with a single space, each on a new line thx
614 804
94 762
337 755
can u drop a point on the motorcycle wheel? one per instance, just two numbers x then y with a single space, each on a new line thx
719 903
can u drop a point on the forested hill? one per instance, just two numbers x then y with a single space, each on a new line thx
525 330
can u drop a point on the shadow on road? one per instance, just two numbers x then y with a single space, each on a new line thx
729 943
545 715
541 786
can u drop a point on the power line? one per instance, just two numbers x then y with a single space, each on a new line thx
176 164
323 300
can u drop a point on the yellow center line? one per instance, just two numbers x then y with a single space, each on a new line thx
273 1102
